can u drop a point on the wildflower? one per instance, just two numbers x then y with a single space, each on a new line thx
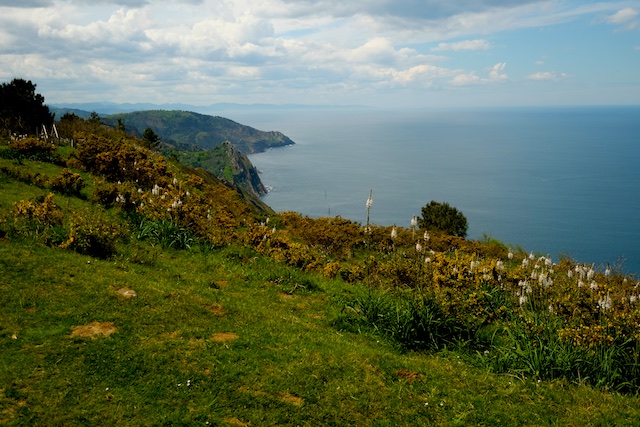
427 260
426 236
155 190
414 221
522 300
633 299
569 274
139 190
532 256
500 265
273 230
580 283
369 202
472 266
607 272
394 232
510 255
605 303
175 181
418 247
525 262
590 274
593 286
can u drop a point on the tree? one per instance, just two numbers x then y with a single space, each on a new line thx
22 110
151 139
443 217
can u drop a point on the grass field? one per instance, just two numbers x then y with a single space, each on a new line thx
304 324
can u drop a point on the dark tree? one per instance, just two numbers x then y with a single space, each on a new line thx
22 110
151 139
70 125
443 217
120 126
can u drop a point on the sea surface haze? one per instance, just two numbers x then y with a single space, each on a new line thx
555 181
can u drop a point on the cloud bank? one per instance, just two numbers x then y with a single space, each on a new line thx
204 51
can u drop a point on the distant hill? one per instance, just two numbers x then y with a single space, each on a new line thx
186 130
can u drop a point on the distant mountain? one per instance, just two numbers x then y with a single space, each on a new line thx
187 130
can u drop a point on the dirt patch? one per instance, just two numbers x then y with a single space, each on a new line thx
215 309
126 293
236 422
224 337
407 375
292 399
94 330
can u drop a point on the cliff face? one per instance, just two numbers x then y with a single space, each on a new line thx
227 162
244 173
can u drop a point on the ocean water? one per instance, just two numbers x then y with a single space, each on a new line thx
555 181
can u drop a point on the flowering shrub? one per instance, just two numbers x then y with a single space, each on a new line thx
41 219
92 233
67 182
122 161
33 148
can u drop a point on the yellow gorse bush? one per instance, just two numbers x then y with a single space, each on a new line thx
37 218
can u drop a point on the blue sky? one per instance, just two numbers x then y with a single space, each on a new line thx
386 53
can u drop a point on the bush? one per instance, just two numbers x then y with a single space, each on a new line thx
443 217
41 219
67 182
93 234
34 149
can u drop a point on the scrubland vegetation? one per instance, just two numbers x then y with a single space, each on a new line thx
137 291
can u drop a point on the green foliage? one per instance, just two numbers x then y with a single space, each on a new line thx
443 217
22 110
33 149
166 233
187 131
93 233
150 138
67 182
40 219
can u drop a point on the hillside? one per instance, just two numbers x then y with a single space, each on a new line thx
186 130
226 162
139 291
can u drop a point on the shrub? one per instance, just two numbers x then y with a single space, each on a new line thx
443 217
92 233
41 219
33 148
67 182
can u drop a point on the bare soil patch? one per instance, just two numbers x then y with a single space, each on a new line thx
94 330
224 337
292 399
407 375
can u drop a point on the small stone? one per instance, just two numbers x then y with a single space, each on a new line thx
126 293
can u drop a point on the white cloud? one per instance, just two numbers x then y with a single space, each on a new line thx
547 76
197 50
622 17
495 75
463 45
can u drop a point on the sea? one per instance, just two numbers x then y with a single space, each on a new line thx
556 181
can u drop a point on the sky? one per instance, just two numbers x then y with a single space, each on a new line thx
380 53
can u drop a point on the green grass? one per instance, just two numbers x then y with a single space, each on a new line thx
288 364
231 337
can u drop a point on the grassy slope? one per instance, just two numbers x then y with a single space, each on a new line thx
230 337
287 366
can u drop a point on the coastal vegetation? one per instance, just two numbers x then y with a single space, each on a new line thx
137 290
